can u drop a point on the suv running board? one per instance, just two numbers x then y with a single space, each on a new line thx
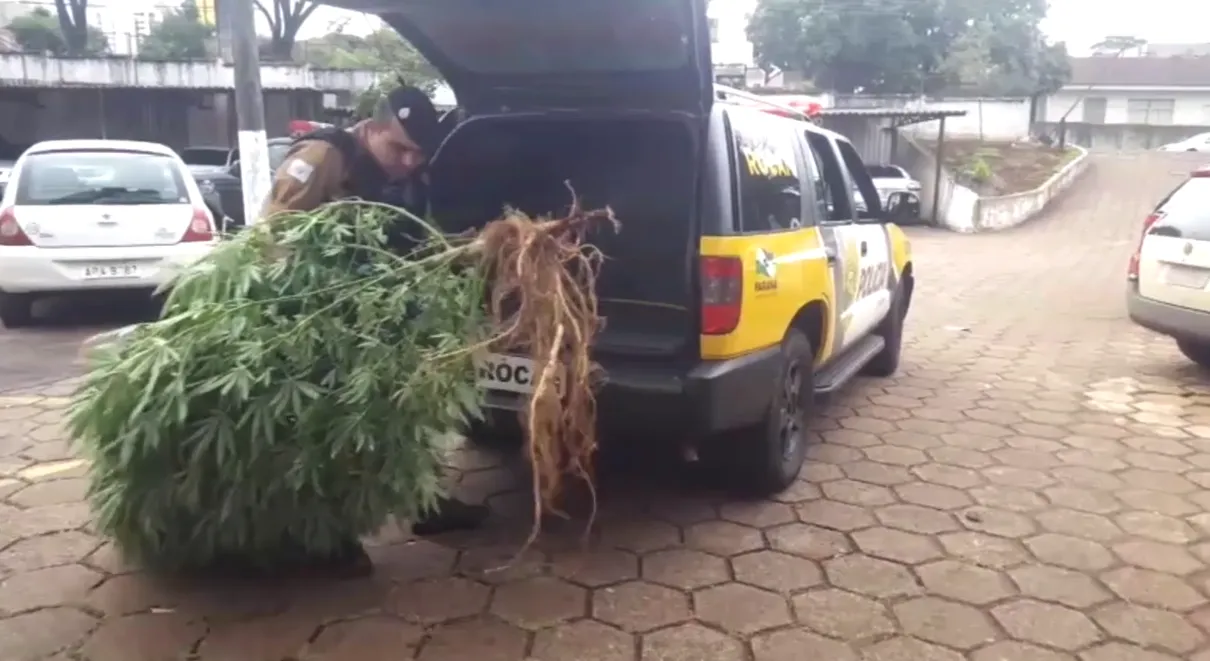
847 365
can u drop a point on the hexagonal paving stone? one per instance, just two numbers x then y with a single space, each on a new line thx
439 600
1001 523
914 518
776 571
758 514
1046 624
1014 650
870 576
1149 627
796 644
539 602
723 538
1156 526
809 541
742 609
685 569
945 622
936 496
690 642
369 637
283 635
638 606
1117 651
1064 586
586 639
903 648
1070 552
1093 527
65 585
965 582
897 545
835 516
1084 500
482 639
1158 556
40 634
61 548
597 567
842 615
1151 588
984 550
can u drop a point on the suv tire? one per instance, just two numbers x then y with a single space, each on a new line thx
765 459
890 329
16 310
1198 352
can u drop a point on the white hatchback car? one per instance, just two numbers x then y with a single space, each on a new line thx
95 215
1199 142
1169 274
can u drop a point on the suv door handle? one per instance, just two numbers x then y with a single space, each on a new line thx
864 248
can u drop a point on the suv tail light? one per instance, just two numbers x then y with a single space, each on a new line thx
201 228
11 233
1132 271
722 294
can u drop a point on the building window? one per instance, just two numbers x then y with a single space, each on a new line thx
714 30
1149 111
1094 110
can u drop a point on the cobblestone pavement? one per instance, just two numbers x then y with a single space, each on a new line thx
1035 484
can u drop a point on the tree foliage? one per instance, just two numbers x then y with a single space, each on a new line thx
286 18
1117 44
383 49
41 32
911 46
180 34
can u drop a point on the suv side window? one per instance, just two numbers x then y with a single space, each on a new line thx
837 208
863 186
769 188
1185 213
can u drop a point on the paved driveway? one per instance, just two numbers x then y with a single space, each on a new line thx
1035 485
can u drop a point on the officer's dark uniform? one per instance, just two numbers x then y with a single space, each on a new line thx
332 164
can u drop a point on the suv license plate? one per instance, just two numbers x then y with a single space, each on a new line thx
1187 276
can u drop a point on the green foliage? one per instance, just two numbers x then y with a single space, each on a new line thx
978 169
294 402
40 32
911 46
383 50
179 35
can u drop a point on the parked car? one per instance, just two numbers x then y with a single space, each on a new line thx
218 169
1169 273
6 168
1199 142
889 179
96 215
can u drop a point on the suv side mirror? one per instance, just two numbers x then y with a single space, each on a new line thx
233 169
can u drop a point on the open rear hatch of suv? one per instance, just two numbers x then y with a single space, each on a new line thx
611 97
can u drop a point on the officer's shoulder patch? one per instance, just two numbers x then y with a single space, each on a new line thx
300 170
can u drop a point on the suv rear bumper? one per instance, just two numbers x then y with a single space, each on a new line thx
1171 320
709 398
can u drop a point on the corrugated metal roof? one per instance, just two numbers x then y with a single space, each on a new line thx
923 114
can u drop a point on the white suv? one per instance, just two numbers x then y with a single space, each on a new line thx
1169 273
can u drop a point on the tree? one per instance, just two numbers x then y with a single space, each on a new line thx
1116 45
911 46
382 50
180 34
73 24
40 32
285 18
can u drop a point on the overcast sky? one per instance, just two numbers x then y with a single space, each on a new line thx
1080 23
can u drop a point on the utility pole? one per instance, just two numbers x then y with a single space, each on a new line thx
238 19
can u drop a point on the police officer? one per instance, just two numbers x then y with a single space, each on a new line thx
379 159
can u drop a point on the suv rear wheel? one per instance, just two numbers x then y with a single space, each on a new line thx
1198 352
886 362
16 310
765 459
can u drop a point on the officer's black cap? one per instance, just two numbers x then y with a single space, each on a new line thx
415 111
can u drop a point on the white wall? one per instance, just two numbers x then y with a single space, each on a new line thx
732 45
991 119
1190 108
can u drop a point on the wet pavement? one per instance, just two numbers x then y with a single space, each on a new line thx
1034 484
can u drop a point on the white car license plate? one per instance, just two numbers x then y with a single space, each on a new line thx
111 270
1187 276
507 373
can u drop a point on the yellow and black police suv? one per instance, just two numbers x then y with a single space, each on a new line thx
746 281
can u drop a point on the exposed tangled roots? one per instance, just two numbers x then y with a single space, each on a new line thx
543 301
